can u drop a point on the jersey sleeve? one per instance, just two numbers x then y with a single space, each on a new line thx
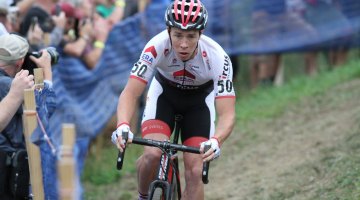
223 74
144 68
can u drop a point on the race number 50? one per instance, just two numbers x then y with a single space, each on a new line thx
225 85
139 71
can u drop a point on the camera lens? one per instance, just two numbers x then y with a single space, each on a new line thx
53 54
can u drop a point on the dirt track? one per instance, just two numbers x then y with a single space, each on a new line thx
284 155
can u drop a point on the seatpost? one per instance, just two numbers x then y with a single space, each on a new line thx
178 119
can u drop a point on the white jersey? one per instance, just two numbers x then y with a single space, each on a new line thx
210 63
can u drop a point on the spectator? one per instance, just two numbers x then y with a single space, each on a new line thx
13 79
266 21
316 13
52 27
3 14
22 6
271 21
12 101
339 52
84 43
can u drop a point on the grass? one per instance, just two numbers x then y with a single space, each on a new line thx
269 102
259 104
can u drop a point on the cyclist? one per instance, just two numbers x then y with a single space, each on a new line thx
193 77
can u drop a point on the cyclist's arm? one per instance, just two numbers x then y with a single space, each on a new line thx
225 108
140 75
128 100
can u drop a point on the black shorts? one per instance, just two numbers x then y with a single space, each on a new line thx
196 105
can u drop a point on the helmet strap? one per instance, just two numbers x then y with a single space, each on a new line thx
168 29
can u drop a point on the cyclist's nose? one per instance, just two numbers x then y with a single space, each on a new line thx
184 43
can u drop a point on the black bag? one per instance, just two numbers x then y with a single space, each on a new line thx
20 175
4 170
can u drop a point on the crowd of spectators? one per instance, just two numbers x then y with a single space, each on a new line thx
271 19
80 28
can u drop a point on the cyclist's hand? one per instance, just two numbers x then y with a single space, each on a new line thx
213 152
117 138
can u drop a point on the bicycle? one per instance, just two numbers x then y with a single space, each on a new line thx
167 184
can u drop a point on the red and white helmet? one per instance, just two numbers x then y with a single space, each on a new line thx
186 15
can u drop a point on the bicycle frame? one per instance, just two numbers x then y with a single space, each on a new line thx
168 171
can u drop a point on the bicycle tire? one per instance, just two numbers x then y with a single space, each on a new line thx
174 189
175 184
158 194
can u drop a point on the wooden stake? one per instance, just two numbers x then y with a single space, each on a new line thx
66 164
30 123
39 78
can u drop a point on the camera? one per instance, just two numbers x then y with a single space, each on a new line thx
30 65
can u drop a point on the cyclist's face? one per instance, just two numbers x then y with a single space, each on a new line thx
184 42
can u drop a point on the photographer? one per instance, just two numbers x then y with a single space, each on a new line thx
12 101
14 183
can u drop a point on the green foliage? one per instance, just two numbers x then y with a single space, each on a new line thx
271 101
102 170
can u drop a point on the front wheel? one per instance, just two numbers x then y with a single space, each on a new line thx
159 190
174 190
157 194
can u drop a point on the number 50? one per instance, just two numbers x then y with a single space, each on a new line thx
225 85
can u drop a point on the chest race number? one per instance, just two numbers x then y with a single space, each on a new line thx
225 85
139 70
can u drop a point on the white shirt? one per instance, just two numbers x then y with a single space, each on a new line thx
210 63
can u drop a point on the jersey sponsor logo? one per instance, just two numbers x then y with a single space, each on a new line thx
152 50
226 68
208 64
183 73
187 87
170 66
194 67
147 58
204 54
163 163
166 52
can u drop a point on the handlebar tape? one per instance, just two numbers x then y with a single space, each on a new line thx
206 165
120 159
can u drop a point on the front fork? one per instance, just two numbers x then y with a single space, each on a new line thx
166 176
